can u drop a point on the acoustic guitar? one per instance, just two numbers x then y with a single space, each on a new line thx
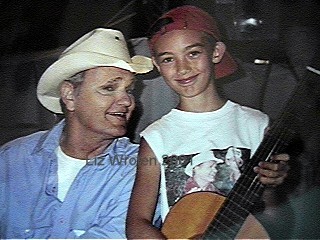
210 216
192 215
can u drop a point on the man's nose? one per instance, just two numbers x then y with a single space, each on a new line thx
125 99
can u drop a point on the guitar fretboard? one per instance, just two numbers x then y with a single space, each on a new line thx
248 188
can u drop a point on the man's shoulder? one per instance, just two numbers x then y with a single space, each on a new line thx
126 145
27 142
45 138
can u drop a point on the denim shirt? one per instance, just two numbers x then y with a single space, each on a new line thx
95 205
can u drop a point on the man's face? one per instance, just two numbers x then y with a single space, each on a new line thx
184 59
103 103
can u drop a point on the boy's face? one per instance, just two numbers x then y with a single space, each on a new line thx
186 60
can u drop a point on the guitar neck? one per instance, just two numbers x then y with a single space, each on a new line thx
247 190
302 108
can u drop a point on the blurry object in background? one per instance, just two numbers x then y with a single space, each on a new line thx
249 16
225 1
251 29
314 70
21 113
28 25
249 20
300 32
248 25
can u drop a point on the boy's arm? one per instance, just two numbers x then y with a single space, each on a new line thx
144 197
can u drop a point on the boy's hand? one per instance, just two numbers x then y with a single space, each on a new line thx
273 173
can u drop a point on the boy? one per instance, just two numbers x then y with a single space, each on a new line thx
187 51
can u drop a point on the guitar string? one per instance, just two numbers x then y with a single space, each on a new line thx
250 193
255 182
244 199
257 186
225 215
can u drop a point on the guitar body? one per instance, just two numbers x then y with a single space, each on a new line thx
192 214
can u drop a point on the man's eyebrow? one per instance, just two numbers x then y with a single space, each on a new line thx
118 79
114 80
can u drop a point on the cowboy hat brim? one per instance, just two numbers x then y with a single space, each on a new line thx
69 65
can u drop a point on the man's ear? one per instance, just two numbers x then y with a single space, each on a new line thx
155 63
218 52
67 93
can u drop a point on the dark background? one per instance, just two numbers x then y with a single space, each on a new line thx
32 25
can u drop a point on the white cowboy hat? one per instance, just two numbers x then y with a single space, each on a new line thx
98 48
201 158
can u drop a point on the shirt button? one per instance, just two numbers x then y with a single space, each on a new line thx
27 233
61 220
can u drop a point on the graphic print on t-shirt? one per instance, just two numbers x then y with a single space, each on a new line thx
215 170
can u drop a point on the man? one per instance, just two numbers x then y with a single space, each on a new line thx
68 182
187 50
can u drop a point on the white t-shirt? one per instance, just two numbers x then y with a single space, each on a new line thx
231 134
68 168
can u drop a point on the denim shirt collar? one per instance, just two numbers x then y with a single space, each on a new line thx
51 139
